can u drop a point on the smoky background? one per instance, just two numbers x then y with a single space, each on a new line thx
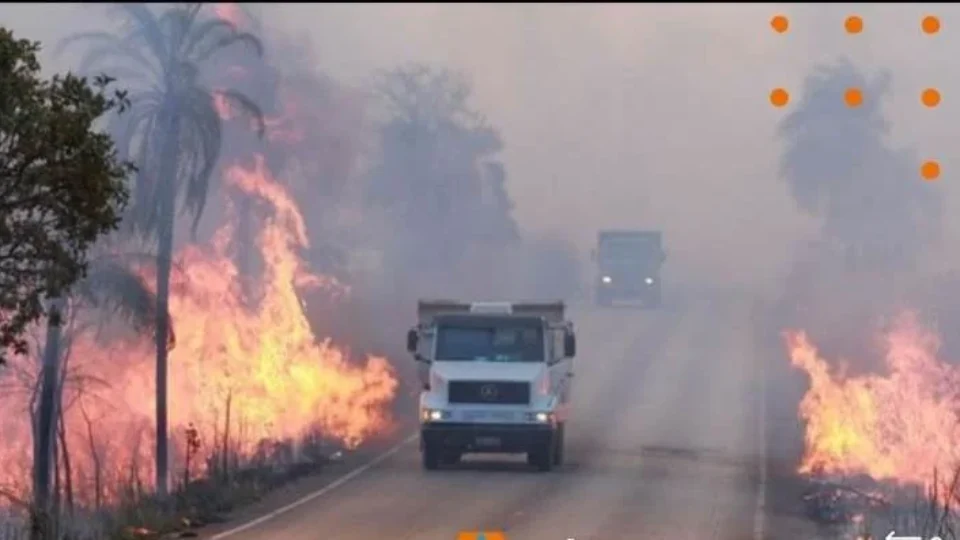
629 116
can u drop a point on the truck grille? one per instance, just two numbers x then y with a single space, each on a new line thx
507 393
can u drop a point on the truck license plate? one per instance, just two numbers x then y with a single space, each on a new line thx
488 441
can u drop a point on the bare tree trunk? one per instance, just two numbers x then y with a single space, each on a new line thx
67 468
95 455
55 495
163 295
45 430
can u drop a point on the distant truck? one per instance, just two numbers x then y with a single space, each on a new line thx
628 264
496 378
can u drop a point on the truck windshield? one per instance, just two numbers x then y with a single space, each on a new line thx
629 250
504 344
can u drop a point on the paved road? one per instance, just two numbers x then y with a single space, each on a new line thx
664 445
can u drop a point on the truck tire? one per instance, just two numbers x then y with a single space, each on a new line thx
542 456
430 457
558 451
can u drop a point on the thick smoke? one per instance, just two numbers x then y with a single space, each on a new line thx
638 115
878 221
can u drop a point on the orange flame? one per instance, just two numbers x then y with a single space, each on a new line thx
899 427
264 363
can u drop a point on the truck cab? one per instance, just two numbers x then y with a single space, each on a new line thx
496 378
628 267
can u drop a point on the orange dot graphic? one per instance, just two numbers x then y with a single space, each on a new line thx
853 97
780 24
930 24
930 170
853 24
930 97
779 97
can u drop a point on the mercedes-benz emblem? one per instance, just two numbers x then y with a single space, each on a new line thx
488 392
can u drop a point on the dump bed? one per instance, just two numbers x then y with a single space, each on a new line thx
552 311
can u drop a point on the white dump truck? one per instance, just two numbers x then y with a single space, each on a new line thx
496 378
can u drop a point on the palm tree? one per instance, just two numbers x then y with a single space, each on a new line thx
172 132
111 286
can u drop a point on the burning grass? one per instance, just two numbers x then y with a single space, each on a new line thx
256 398
874 443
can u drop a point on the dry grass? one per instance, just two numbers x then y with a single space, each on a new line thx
233 482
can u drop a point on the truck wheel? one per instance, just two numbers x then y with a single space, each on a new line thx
558 451
430 457
542 456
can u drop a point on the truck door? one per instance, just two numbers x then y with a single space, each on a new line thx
560 372
425 349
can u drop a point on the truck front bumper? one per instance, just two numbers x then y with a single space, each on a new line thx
492 438
642 292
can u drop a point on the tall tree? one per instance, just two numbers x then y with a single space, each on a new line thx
438 176
839 168
173 134
61 184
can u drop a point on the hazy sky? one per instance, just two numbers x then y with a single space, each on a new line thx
636 115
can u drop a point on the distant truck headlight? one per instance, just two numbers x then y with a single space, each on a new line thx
434 415
606 279
649 281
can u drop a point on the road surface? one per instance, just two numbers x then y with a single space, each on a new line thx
664 445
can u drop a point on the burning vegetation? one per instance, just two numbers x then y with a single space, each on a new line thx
882 444
252 380
241 377
265 366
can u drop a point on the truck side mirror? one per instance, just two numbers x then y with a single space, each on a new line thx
412 340
569 345
663 256
593 254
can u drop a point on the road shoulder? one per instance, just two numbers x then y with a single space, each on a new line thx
291 493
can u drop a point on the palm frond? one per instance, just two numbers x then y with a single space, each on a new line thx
244 38
113 286
180 22
247 106
144 212
146 25
104 46
128 127
200 150
209 30
89 38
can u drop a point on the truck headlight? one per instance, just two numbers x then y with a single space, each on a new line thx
540 417
434 415
606 279
649 281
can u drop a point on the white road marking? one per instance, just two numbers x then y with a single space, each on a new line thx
318 493
760 511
